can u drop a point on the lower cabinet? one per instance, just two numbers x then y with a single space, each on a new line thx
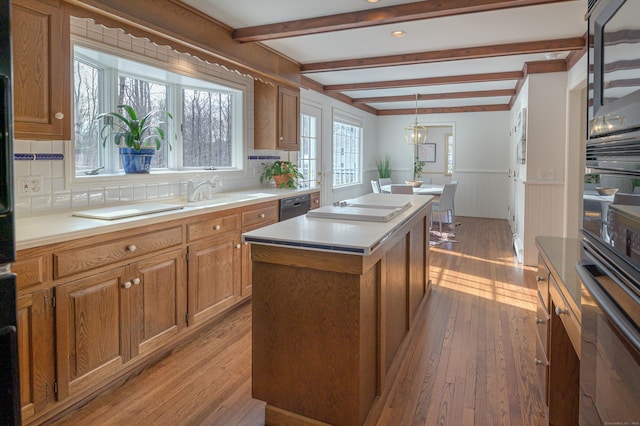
214 277
36 352
105 320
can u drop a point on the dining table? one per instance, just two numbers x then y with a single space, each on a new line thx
425 189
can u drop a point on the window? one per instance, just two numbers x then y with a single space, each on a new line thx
347 152
205 132
448 140
307 160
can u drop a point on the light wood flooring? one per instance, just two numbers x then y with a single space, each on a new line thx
469 363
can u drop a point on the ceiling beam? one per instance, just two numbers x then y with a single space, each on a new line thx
307 83
437 96
378 16
522 48
446 110
428 81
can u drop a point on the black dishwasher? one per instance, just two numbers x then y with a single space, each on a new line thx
294 206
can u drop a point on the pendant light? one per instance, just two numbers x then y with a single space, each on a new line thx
416 134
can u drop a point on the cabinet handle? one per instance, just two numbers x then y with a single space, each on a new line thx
540 362
539 278
540 321
136 281
261 216
126 284
131 248
560 311
59 115
217 227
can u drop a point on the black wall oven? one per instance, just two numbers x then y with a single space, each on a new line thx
610 271
9 382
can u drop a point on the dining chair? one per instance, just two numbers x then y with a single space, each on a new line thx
397 188
384 181
446 205
375 186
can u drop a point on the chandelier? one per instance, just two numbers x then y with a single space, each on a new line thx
416 134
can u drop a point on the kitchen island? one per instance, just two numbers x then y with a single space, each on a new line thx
334 307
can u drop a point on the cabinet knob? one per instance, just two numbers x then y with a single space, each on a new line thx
217 227
540 362
316 201
59 115
245 243
126 284
261 215
281 138
238 246
131 248
540 321
560 311
136 281
539 278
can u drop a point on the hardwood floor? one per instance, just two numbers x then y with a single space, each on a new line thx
470 361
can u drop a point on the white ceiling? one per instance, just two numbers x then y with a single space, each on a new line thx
560 20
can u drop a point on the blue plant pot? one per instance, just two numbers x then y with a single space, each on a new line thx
137 161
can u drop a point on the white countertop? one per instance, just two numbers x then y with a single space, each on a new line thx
35 231
343 236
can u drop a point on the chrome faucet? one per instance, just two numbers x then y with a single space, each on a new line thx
193 189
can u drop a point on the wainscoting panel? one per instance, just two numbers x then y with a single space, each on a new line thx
482 194
544 215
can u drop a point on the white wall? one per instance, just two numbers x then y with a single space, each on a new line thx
481 158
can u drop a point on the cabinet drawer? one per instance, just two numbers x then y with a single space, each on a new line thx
542 324
542 371
86 258
315 200
31 271
213 227
263 214
542 280
566 314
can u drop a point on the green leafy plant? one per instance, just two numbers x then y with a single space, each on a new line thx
284 173
131 131
417 168
384 167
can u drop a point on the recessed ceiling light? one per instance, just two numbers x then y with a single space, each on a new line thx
372 1
398 33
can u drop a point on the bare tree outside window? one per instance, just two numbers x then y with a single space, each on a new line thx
207 128
86 107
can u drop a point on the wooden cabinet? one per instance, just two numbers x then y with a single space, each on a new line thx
276 117
315 200
41 70
253 218
542 330
36 352
106 319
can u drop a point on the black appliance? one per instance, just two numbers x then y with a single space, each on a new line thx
610 269
9 377
294 206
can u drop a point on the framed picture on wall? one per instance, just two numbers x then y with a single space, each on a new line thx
427 152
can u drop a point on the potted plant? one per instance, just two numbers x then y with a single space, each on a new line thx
384 167
138 138
417 172
284 173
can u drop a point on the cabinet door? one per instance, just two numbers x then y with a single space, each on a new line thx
92 330
214 277
36 351
288 119
158 301
247 279
41 70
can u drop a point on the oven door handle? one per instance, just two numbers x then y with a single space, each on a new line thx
613 313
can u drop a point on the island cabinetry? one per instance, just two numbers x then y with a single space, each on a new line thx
41 69
214 266
276 117
253 218
330 329
542 329
105 320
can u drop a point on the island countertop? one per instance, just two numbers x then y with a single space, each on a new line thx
343 236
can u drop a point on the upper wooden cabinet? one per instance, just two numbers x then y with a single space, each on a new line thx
276 117
41 70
